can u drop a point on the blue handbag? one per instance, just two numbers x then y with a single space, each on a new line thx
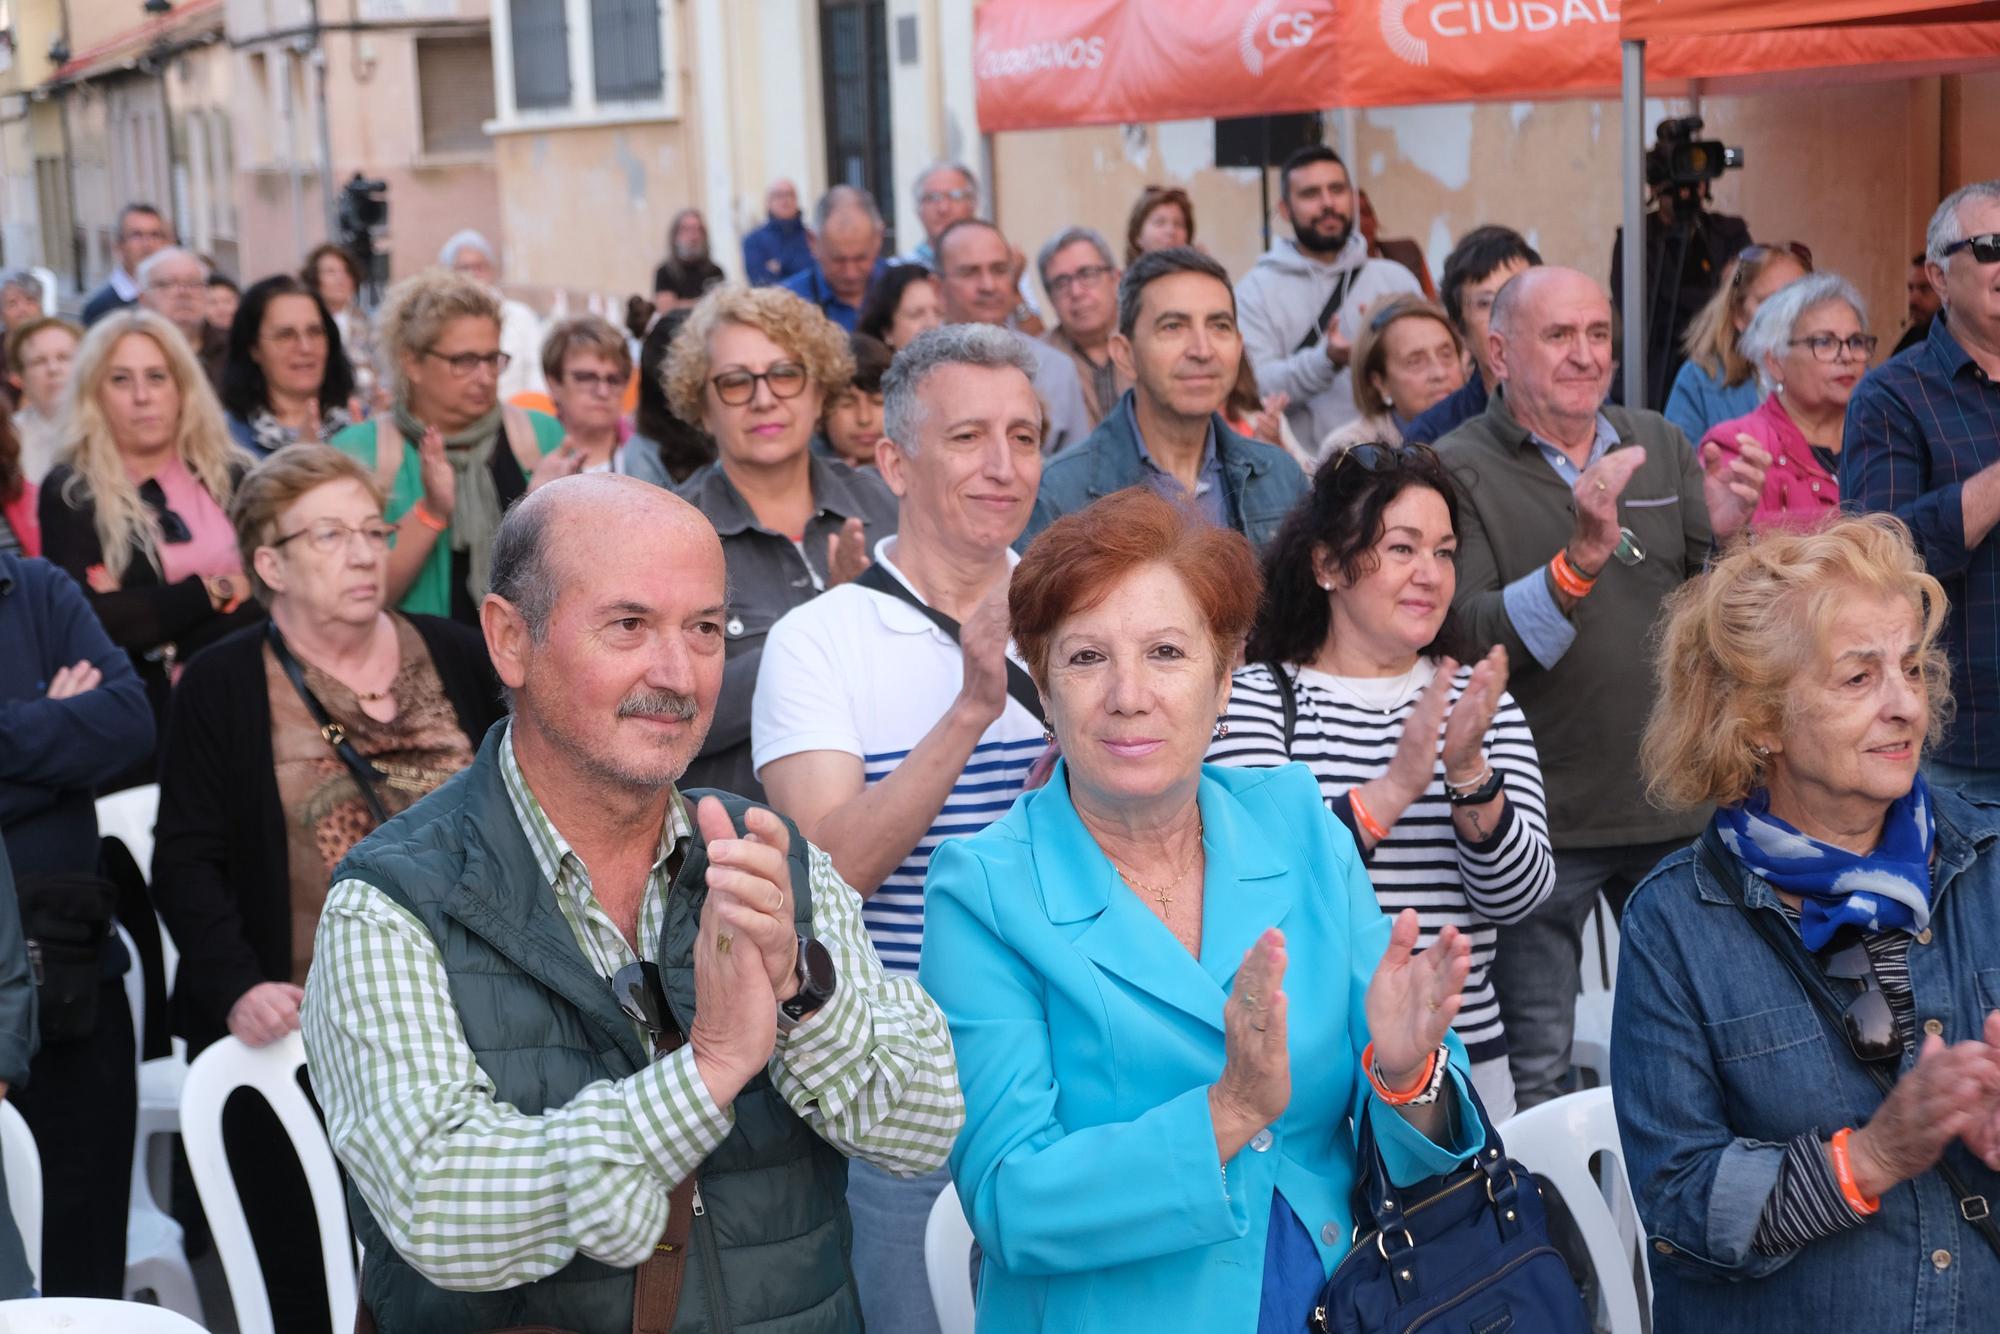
1463 1253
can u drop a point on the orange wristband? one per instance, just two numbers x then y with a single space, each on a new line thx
1389 1095
428 519
1843 1172
1368 823
1568 578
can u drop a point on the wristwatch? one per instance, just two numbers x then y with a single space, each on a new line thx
1480 795
816 982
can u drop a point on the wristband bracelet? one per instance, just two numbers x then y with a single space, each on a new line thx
1843 1172
1568 578
1469 785
1369 825
428 519
1423 1092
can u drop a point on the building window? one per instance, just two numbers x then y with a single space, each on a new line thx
558 62
454 93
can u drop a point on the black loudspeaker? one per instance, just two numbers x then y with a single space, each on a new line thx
1258 141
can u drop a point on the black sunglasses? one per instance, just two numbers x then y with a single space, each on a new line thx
173 528
1985 248
642 995
1374 456
1870 1023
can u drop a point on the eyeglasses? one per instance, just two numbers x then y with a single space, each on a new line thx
465 363
1827 347
326 536
173 528
1373 456
958 196
1753 255
313 335
1089 273
1870 1023
735 388
593 383
1985 248
643 997
177 285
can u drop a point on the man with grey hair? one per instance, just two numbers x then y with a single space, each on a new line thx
20 298
947 193
1081 278
469 252
1922 441
889 716
847 254
653 1015
141 231
174 283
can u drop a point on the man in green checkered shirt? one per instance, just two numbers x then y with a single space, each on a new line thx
504 976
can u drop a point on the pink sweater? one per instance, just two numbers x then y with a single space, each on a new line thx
1798 492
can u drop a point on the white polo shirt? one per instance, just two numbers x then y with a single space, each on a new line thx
861 672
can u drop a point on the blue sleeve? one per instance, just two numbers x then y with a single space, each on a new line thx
1885 465
1687 405
1042 1198
1537 617
18 1029
76 743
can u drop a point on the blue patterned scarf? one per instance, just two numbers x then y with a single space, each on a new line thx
1889 889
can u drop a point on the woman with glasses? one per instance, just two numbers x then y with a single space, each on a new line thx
1406 358
1810 345
285 377
256 807
1717 382
588 363
449 455
1805 1066
139 512
756 366
1429 764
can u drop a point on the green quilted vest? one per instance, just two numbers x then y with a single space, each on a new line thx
769 1252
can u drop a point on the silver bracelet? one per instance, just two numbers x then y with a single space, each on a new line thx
1460 789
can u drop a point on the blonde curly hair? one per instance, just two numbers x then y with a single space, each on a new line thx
787 319
415 311
201 437
1737 639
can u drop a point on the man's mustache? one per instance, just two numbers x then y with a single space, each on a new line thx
659 704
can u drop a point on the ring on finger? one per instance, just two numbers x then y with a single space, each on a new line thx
722 942
1250 999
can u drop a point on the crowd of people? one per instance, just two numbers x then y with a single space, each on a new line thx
703 788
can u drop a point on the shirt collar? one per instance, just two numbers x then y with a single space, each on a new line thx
899 616
729 514
1210 466
1606 435
553 854
1946 352
124 284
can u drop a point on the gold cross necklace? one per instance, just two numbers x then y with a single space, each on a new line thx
1164 893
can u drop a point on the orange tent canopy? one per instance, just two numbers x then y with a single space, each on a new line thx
1644 20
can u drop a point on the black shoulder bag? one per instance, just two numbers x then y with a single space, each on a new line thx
1332 307
366 775
1288 702
1019 684
1973 1207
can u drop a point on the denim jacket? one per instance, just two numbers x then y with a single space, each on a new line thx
1722 1058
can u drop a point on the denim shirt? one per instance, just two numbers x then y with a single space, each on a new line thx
1722 1058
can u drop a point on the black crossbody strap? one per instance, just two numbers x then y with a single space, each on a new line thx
365 774
1332 307
1288 702
1973 1207
1019 684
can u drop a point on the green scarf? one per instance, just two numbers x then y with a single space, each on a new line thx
475 510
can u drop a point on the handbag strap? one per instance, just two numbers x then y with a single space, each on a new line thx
365 774
656 1285
1288 702
1973 1207
1332 307
1019 684
1379 1200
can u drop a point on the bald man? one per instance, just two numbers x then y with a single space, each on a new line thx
782 246
571 1026
847 254
1576 520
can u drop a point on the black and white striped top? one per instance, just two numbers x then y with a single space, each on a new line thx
1423 864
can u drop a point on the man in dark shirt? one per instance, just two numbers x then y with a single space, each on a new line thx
1474 272
1923 442
1924 303
141 231
782 246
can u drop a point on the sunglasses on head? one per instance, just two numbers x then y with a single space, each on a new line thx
1985 248
1375 456
1869 1022
642 995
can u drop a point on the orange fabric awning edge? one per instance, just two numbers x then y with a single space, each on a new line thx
1644 20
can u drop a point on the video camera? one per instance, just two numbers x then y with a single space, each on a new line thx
364 215
1680 160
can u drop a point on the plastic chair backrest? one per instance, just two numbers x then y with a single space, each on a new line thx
1558 1141
47 278
23 1164
76 1315
272 1072
948 1263
135 987
129 817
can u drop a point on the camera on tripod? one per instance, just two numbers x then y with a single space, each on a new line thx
1681 160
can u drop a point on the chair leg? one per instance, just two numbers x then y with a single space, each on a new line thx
171 1280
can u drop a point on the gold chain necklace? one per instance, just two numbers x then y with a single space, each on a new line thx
1164 893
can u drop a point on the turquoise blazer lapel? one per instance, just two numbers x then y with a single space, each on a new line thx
1246 889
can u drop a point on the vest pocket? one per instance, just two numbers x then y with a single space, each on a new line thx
1765 1033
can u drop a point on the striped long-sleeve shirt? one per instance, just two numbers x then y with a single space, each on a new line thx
1423 864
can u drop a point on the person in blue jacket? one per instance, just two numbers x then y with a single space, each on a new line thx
1154 1139
782 246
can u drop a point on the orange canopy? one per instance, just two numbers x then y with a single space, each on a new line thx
1644 20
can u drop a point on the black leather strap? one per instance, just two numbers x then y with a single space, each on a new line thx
1973 1207
1019 684
365 774
1332 307
1288 702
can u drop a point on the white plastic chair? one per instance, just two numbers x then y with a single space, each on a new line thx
1590 1044
90 1315
155 1246
47 278
273 1073
948 1263
24 1184
1560 1141
129 817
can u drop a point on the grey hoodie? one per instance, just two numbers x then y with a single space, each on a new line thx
1277 302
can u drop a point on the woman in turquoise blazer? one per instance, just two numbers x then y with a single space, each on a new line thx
1161 977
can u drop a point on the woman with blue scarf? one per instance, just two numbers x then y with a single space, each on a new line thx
1805 1053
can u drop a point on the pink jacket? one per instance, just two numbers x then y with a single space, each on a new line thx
1798 492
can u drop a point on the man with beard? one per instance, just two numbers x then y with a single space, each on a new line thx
688 271
596 1051
1303 303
